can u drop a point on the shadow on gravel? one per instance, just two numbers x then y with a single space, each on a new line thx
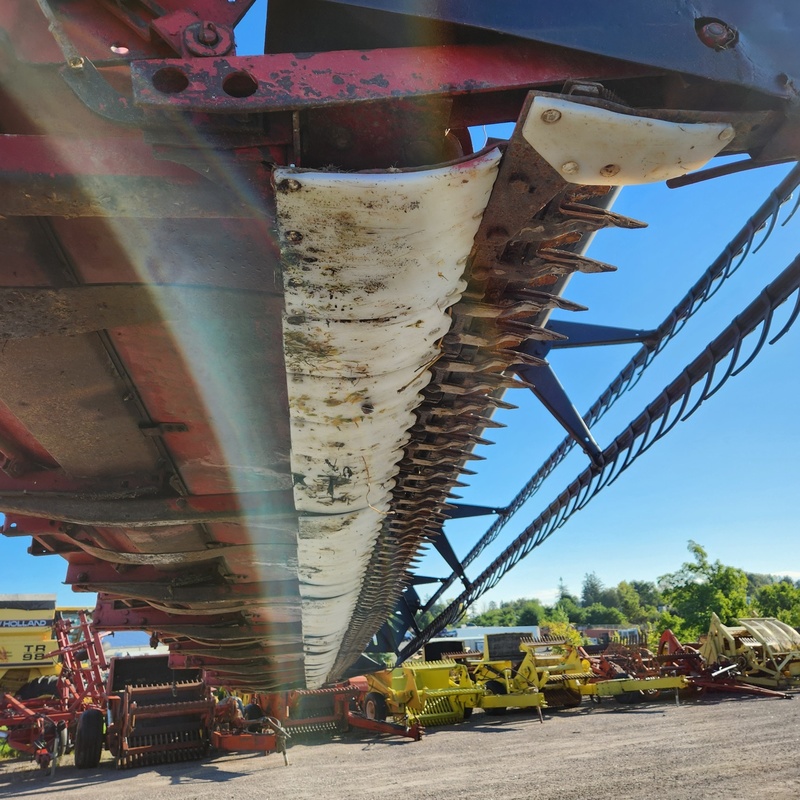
350 737
34 782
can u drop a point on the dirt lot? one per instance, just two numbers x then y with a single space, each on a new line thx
727 748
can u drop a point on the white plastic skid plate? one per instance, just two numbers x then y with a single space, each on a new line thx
371 263
593 146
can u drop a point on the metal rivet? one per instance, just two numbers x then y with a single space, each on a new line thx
726 135
609 170
76 62
570 167
551 115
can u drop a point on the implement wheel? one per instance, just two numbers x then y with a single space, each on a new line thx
375 706
46 686
89 739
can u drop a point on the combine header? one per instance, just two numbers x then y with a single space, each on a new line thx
265 306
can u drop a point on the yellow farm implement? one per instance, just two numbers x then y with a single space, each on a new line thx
764 651
427 692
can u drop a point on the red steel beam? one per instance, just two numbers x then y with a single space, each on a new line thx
150 512
288 82
107 176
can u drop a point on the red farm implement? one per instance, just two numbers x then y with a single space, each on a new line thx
47 726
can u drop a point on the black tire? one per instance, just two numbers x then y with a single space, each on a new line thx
46 686
375 706
89 739
468 711
496 687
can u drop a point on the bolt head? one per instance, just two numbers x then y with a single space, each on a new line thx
717 35
290 185
609 170
570 167
727 134
715 30
295 237
208 34
551 115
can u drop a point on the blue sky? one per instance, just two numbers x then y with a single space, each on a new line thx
726 478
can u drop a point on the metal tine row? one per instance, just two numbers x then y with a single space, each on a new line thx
517 260
722 268
657 419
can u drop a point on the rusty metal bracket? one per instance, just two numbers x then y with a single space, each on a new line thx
655 421
85 81
208 39
98 95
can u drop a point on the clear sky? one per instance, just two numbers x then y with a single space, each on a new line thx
726 478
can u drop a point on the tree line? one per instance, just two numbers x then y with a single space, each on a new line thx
681 600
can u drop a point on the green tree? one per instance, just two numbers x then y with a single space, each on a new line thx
780 600
563 630
610 598
700 587
531 613
628 601
598 614
504 616
667 621
592 590
423 620
563 592
755 580
522 611
566 610
648 592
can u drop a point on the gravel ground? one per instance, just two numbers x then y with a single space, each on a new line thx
721 748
